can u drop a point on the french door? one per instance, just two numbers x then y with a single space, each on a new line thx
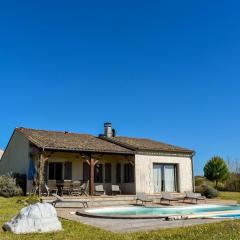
164 177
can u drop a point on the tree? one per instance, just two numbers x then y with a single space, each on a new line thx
216 170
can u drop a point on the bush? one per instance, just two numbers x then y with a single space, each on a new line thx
211 192
207 191
200 180
8 187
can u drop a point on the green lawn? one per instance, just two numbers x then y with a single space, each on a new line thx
230 195
73 230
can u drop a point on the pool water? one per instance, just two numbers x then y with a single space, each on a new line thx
183 210
235 216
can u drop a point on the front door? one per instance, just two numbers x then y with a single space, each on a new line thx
164 177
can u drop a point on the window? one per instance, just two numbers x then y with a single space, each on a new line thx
55 170
98 173
108 173
68 171
119 172
86 173
128 173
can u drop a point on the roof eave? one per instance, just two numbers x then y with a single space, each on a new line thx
47 148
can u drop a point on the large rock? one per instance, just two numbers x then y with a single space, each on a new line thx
39 217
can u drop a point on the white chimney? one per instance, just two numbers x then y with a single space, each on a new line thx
108 131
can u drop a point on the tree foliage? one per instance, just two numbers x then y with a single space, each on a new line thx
216 170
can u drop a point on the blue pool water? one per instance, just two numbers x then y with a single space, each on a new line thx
236 216
183 210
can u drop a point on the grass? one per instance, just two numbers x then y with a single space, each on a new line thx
74 230
230 195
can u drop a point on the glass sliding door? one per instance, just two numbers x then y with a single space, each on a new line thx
164 177
157 178
169 178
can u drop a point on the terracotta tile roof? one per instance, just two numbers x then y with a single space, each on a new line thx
70 141
146 144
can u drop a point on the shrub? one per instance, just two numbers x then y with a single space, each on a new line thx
207 191
8 186
200 180
211 192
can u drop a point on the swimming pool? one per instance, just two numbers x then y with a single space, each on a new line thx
206 210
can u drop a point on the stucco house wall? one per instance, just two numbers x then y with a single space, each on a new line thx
1 153
16 156
144 171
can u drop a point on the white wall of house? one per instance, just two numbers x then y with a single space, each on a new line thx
15 158
1 153
144 171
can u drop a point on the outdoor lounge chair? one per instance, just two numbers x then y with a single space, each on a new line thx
168 197
194 196
99 190
116 189
143 198
62 200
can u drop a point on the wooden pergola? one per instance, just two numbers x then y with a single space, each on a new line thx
91 158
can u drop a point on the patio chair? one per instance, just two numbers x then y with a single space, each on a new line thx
194 196
99 190
51 187
76 191
84 189
67 187
143 198
168 197
44 190
62 200
116 189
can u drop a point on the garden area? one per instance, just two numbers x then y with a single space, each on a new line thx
213 185
73 230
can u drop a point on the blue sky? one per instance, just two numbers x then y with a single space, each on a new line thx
167 70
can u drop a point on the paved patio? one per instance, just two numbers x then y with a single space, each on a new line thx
133 225
106 200
130 225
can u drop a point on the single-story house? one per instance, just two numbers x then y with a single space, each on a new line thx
135 164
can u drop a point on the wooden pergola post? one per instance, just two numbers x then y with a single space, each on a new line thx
40 172
91 180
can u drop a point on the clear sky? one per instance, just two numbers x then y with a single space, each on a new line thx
167 70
